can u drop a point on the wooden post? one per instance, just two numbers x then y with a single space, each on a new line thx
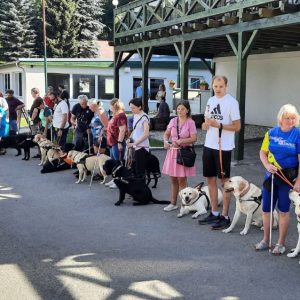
145 54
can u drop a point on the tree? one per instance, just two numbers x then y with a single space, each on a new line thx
61 28
88 17
17 33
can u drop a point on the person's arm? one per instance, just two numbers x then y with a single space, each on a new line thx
103 118
263 155
234 126
47 119
73 120
62 124
190 140
34 114
167 135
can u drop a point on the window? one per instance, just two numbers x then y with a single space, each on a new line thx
105 87
17 83
84 84
194 82
153 87
6 81
55 79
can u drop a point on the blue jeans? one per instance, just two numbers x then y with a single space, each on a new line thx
115 154
13 126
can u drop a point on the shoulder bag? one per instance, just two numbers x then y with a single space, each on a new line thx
186 156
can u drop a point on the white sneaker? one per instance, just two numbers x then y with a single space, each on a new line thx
109 183
170 207
113 186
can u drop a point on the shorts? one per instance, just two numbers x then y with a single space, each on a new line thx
211 164
280 196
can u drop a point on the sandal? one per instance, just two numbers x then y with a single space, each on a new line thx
262 245
278 249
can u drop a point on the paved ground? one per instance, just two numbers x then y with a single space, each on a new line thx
60 240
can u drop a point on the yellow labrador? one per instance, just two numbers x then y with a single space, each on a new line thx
195 199
248 201
295 198
85 163
44 145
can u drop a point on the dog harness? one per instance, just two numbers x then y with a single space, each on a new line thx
255 199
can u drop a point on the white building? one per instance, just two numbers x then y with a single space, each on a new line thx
94 77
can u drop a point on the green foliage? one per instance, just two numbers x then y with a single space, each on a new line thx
61 30
17 34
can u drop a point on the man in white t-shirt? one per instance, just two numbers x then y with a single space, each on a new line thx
222 117
60 122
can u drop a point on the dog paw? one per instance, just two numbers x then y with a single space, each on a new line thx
243 232
78 181
117 204
194 216
293 254
179 216
226 230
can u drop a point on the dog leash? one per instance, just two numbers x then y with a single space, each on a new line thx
220 152
281 175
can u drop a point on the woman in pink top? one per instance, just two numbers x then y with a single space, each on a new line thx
187 136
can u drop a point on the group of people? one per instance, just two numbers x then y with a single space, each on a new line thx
280 150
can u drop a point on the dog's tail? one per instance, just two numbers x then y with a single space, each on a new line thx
155 201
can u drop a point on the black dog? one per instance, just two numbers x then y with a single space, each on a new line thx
19 141
128 184
152 168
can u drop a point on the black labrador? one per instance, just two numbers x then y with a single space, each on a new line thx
19 141
127 183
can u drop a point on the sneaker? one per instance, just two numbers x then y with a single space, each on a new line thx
211 218
221 224
278 249
113 186
109 183
170 207
262 245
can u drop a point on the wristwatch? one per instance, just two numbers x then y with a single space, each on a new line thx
120 142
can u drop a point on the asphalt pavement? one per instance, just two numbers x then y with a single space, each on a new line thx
61 240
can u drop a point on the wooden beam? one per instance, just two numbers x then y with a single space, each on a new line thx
249 16
227 20
199 26
268 12
211 23
187 29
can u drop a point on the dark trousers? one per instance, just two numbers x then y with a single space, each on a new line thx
61 139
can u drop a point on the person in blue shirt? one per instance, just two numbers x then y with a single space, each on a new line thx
139 91
4 126
280 150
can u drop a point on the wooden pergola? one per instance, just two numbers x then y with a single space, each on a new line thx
205 29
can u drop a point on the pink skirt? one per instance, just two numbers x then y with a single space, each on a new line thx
172 168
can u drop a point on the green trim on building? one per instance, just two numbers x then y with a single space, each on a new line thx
106 64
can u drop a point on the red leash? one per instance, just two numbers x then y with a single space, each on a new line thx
220 152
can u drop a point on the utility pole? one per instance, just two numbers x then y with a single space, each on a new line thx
45 45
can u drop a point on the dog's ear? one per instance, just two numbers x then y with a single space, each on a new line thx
199 186
242 186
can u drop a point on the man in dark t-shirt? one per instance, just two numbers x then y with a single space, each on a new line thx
13 105
81 119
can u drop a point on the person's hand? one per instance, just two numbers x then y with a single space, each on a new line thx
88 131
178 142
59 133
120 147
297 185
212 123
167 145
271 168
